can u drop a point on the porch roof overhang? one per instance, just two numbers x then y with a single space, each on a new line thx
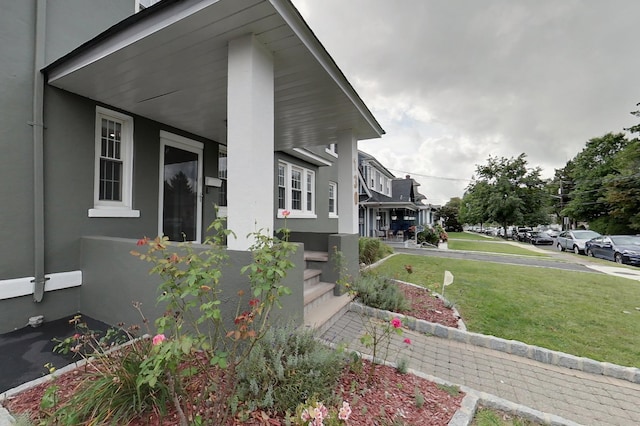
390 205
169 63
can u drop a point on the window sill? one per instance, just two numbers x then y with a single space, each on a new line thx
333 216
297 215
105 212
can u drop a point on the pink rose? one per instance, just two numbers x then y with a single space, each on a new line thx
286 213
407 341
396 322
158 338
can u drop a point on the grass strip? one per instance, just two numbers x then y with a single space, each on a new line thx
585 314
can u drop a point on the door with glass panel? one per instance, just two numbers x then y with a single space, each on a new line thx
180 215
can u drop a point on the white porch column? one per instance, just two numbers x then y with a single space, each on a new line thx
347 183
250 140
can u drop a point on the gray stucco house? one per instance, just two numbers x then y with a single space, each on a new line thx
124 118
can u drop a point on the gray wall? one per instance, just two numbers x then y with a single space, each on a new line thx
113 278
69 23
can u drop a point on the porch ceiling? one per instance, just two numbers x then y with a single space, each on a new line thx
169 63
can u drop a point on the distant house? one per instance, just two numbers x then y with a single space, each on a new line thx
130 118
389 206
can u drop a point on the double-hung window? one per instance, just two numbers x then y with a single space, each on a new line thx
113 176
222 175
296 190
333 199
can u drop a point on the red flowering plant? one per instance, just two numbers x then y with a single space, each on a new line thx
377 337
194 323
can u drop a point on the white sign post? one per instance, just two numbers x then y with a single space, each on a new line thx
448 280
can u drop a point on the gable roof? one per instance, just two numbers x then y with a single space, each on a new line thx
169 63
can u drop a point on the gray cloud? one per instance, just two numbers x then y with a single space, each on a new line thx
455 81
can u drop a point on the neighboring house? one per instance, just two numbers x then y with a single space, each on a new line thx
123 118
389 204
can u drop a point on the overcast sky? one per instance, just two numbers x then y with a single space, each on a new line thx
455 81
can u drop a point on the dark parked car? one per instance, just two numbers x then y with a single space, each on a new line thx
618 248
538 237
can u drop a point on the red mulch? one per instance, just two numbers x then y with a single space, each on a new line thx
390 396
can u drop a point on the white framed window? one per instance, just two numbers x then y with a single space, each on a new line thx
143 4
296 191
333 199
113 169
332 149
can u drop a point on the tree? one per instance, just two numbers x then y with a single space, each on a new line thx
622 190
450 213
474 207
592 168
507 192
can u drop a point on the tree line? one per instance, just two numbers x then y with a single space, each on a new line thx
600 186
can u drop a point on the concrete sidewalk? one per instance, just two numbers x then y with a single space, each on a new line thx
560 395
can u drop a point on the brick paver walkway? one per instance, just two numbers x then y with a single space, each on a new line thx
583 398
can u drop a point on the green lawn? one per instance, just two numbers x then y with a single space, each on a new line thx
492 246
573 312
469 236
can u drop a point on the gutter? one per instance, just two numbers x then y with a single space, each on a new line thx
37 125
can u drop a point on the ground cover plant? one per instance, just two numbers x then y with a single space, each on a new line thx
491 417
584 314
493 246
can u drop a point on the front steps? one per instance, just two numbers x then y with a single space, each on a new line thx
321 307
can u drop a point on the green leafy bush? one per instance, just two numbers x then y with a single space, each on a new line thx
372 249
286 368
429 236
379 292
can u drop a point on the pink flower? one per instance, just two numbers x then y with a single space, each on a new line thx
286 213
407 341
158 338
77 336
396 322
345 411
142 241
254 302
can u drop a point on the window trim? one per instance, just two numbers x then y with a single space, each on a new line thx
333 214
124 208
332 150
303 212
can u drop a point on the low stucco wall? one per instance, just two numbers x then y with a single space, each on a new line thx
15 312
113 279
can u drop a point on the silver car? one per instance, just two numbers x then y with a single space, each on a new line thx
574 240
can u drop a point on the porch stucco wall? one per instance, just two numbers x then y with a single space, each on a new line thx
15 312
113 279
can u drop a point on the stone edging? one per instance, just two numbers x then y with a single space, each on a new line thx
513 347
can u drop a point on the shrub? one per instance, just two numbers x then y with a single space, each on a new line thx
286 368
428 236
372 249
379 292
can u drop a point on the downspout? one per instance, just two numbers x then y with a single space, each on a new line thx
38 150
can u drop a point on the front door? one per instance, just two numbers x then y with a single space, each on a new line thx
180 200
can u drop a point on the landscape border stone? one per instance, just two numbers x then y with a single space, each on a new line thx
513 347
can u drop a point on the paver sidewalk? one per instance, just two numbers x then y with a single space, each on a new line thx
574 395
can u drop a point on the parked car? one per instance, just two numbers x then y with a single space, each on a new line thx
617 248
552 233
520 233
538 237
575 240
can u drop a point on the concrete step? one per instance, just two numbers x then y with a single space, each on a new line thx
317 291
311 277
322 315
316 256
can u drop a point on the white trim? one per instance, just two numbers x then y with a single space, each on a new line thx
106 208
331 150
293 214
185 144
309 156
18 287
106 212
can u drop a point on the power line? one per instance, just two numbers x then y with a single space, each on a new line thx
430 176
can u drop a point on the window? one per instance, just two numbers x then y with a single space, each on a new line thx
332 149
113 170
222 175
296 190
333 199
